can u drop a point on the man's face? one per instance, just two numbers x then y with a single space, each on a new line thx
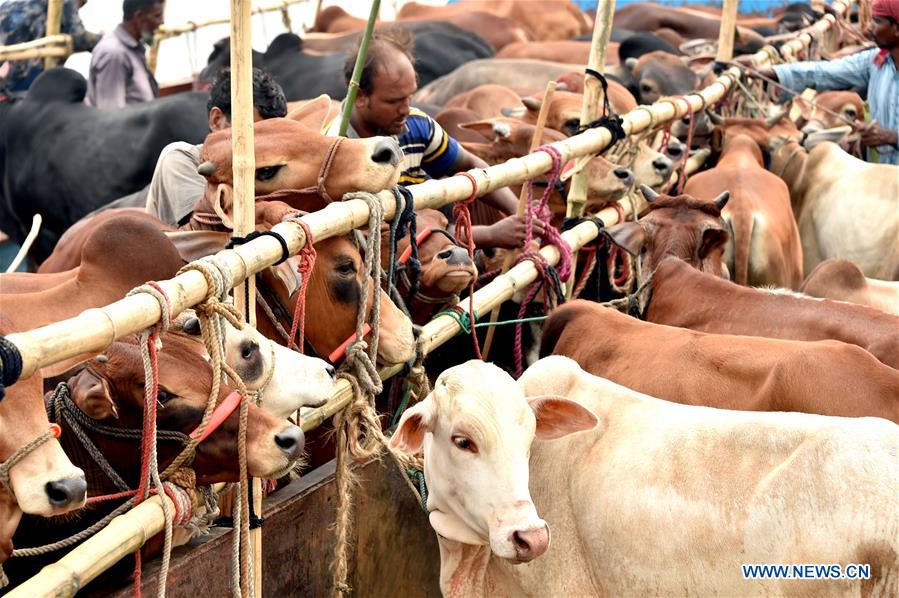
386 109
884 32
150 20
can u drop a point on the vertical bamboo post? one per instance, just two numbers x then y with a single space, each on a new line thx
244 165
54 24
357 68
522 202
726 33
602 30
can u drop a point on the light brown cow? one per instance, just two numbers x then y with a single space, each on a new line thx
844 281
487 100
681 243
830 109
844 207
764 246
565 110
334 19
722 370
557 51
496 30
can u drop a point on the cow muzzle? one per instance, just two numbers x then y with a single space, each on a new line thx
529 544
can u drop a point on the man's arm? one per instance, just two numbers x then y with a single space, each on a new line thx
845 73
82 39
108 80
175 186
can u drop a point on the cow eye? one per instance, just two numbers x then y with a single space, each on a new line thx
164 396
465 444
267 173
445 254
851 114
645 88
248 350
346 268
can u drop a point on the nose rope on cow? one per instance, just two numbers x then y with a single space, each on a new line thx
404 222
324 171
23 451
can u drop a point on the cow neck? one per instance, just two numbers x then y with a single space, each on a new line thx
464 568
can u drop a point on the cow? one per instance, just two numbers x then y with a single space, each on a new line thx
565 110
843 281
627 482
764 247
686 22
681 245
828 110
334 19
657 74
487 100
104 400
844 207
530 75
557 51
445 268
722 370
438 48
556 19
88 157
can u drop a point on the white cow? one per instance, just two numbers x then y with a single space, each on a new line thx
659 499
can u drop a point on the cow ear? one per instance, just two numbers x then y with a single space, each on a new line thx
558 417
410 433
481 127
222 204
315 114
92 395
630 236
712 239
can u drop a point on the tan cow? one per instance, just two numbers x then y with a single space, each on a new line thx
844 207
764 247
844 281
557 51
565 110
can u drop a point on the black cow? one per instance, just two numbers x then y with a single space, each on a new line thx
439 47
62 158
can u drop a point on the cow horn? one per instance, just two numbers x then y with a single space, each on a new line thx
648 193
721 200
716 118
532 104
207 168
776 118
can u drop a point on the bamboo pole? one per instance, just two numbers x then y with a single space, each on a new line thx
522 201
74 336
727 30
168 31
244 170
352 90
54 22
602 30
56 45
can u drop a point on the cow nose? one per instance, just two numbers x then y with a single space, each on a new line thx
531 543
291 441
331 371
386 152
623 174
64 492
663 165
459 256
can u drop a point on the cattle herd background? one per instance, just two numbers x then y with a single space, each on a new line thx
689 389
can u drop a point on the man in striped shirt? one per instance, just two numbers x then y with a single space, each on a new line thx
383 107
873 72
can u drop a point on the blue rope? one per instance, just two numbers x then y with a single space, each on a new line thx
406 224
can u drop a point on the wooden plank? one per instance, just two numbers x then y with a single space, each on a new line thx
727 30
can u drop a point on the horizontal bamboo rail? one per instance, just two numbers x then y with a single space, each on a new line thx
53 45
56 342
168 31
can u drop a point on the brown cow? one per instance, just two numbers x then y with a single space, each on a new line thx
487 101
688 23
830 109
577 52
334 19
107 393
722 370
681 243
565 110
844 281
764 246
446 268
496 30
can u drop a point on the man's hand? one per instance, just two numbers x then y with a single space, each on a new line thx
874 135
508 233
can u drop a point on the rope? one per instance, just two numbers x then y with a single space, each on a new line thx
404 223
307 255
462 216
22 452
285 250
10 365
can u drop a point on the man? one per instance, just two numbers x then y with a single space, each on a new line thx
384 107
873 72
176 186
118 72
26 20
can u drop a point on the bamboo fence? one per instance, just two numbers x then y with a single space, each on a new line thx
96 328
54 45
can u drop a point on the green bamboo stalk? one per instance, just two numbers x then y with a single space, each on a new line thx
353 87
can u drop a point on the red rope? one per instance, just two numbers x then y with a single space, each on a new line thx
462 216
307 263
615 252
682 177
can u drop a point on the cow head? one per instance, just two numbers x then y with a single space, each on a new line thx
476 429
285 379
676 226
336 288
44 482
828 110
446 268
110 390
565 109
658 74
509 138
290 155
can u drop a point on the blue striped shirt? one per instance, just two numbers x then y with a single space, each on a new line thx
428 151
859 72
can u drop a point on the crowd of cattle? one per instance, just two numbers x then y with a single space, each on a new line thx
655 445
